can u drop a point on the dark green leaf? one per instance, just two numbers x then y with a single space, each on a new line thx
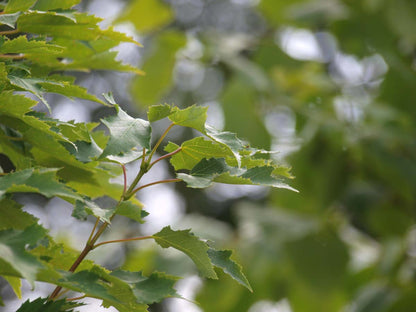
150 289
188 244
221 259
45 305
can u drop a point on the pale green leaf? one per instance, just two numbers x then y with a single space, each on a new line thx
126 133
16 284
131 210
46 5
221 259
149 15
22 45
158 67
193 117
9 19
18 5
194 150
189 244
42 181
33 85
61 25
157 112
150 289
14 259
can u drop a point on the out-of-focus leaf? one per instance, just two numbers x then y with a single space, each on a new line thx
190 245
158 67
18 5
9 19
146 16
241 113
16 284
45 5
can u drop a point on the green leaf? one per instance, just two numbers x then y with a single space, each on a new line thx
157 112
149 15
46 5
14 259
158 68
33 85
18 5
22 45
193 117
131 210
87 282
150 289
194 150
65 85
16 284
228 139
9 19
190 245
221 259
60 25
126 133
88 207
41 180
12 216
46 305
212 170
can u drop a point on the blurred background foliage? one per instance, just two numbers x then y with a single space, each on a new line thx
331 85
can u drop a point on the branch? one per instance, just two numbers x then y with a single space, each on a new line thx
13 56
9 32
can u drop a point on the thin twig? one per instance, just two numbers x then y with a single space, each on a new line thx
159 141
165 156
76 298
124 178
9 32
93 229
154 183
123 240
12 56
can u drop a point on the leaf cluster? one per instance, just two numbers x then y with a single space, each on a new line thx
40 40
